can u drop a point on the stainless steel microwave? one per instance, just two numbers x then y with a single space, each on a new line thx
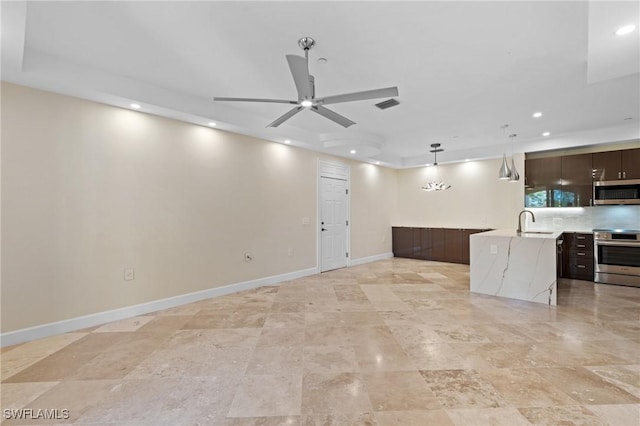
616 192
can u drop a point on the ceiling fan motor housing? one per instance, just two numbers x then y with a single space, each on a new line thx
306 43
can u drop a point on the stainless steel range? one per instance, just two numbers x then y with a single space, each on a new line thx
617 256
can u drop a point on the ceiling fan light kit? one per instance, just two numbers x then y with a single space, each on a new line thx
437 184
305 86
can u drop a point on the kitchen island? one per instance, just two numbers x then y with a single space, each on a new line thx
516 265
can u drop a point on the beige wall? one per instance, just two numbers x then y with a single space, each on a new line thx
89 189
477 199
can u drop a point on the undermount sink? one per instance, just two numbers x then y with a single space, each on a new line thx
538 232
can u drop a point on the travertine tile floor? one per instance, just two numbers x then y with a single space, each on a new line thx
396 342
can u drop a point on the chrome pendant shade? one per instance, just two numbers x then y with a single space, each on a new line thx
437 184
515 176
505 171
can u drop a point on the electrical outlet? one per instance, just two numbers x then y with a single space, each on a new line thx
290 252
305 220
129 274
493 249
248 257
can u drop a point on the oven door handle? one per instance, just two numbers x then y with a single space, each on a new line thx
617 243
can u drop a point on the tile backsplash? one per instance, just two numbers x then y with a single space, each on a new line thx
584 218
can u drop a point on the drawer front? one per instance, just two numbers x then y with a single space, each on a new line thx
578 256
581 266
580 272
577 241
581 255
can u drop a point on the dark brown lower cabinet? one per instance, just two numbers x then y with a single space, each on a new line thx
438 244
402 241
577 256
438 250
453 245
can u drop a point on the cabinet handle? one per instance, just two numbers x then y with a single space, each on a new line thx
581 238
581 245
581 254
581 266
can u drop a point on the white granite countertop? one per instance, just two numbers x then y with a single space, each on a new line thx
512 233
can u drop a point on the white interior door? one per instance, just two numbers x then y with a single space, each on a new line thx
334 210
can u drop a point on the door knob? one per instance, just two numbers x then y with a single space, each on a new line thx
324 229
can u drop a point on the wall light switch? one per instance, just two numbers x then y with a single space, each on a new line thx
305 220
493 249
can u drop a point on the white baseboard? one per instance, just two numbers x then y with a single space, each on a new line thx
369 259
91 320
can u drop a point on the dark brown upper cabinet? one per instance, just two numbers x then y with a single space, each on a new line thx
616 165
576 190
542 182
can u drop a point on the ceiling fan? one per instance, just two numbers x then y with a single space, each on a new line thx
305 85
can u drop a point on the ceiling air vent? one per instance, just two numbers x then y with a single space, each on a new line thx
387 104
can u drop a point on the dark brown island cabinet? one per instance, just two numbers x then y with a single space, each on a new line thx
577 256
438 244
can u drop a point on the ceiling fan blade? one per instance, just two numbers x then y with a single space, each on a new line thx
333 116
300 72
274 101
359 96
278 121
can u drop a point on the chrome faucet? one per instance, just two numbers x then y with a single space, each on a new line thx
533 217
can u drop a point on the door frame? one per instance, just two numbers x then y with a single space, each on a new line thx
335 170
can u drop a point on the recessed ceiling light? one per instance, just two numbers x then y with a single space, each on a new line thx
466 159
322 60
625 30
353 151
628 118
546 134
135 106
306 103
537 114
377 163
287 141
212 124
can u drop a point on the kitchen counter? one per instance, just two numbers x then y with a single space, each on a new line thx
512 233
518 266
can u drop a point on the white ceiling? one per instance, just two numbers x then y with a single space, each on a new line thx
462 68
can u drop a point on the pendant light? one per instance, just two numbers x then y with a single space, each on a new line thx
515 176
437 184
505 172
